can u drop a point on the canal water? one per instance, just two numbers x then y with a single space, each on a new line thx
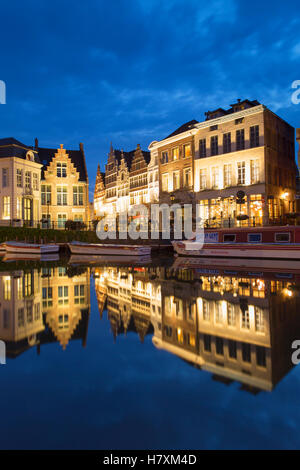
169 354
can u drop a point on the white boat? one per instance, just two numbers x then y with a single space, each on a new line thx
255 242
32 248
79 248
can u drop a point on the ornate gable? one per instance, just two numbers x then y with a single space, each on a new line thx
61 156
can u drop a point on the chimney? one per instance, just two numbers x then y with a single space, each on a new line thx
36 143
81 146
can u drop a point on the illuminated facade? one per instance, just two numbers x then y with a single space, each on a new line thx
126 181
64 187
20 171
245 148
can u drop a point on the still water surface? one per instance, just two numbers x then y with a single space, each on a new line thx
173 355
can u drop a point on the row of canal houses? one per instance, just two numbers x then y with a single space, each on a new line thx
244 148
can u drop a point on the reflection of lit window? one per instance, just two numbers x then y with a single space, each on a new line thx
205 310
63 321
180 336
259 320
27 284
191 339
218 312
79 294
47 297
63 294
230 315
20 287
246 320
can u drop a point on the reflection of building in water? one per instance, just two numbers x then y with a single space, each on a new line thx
20 310
38 307
132 297
65 302
238 327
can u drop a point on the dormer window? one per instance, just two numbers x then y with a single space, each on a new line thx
30 156
61 170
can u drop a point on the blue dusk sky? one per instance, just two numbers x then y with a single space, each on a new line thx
131 71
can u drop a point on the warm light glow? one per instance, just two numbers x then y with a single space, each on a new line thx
284 195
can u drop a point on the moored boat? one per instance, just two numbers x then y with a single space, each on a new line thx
32 248
79 248
255 242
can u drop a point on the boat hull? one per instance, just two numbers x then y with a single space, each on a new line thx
112 250
28 248
263 251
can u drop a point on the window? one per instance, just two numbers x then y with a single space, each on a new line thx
229 238
19 178
215 127
78 195
232 349
62 219
254 237
214 149
62 196
254 166
239 121
259 320
19 208
27 179
61 170
205 310
240 139
176 180
227 143
175 154
46 221
79 294
282 237
261 356
21 318
164 157
187 177
227 175
218 312
215 176
35 182
254 136
165 182
63 321
230 315
6 207
46 194
246 352
245 320
207 343
241 167
187 151
180 336
47 297
202 148
219 346
4 177
63 295
203 179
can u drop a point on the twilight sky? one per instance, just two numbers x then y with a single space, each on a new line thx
131 71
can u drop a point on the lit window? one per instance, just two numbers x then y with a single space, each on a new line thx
187 151
203 179
215 177
241 167
6 207
187 178
62 196
27 179
19 178
61 170
165 182
46 194
175 153
227 175
254 165
78 195
176 180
